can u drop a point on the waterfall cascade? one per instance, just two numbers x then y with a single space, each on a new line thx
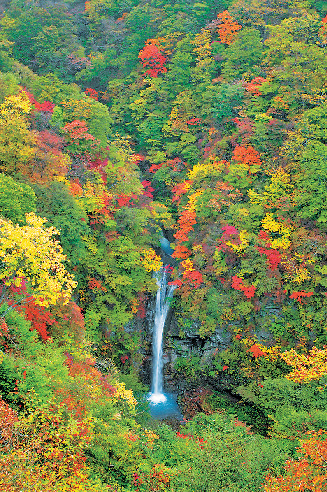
164 295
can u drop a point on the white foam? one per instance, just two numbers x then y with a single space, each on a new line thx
157 398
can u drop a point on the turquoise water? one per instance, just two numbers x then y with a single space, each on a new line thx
165 409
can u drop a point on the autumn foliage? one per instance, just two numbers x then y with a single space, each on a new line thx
248 156
135 133
308 472
228 28
153 60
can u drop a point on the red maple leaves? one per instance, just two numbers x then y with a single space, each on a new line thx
46 106
273 257
40 318
153 59
237 284
92 93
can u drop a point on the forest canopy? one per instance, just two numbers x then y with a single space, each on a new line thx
126 125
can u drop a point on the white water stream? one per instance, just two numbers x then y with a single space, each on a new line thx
164 296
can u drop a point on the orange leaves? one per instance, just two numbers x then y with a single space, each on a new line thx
315 447
122 18
180 189
181 251
96 284
307 474
40 318
186 222
254 85
226 196
306 368
256 351
78 130
43 450
248 156
92 93
228 28
190 275
49 162
299 296
323 29
75 187
8 418
3 328
152 59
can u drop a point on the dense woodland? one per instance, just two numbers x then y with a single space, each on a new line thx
121 120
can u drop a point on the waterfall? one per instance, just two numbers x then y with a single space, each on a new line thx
164 295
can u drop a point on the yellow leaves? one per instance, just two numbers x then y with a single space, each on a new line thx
119 280
92 196
188 265
35 221
219 264
270 224
15 105
279 103
244 242
201 171
202 44
138 106
281 243
17 143
31 252
193 199
134 305
8 23
90 244
182 111
160 216
150 260
126 395
295 267
78 109
308 367
271 353
151 437
197 248
301 274
276 190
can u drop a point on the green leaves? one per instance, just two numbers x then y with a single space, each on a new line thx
16 199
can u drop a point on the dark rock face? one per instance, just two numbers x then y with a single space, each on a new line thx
175 345
188 344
